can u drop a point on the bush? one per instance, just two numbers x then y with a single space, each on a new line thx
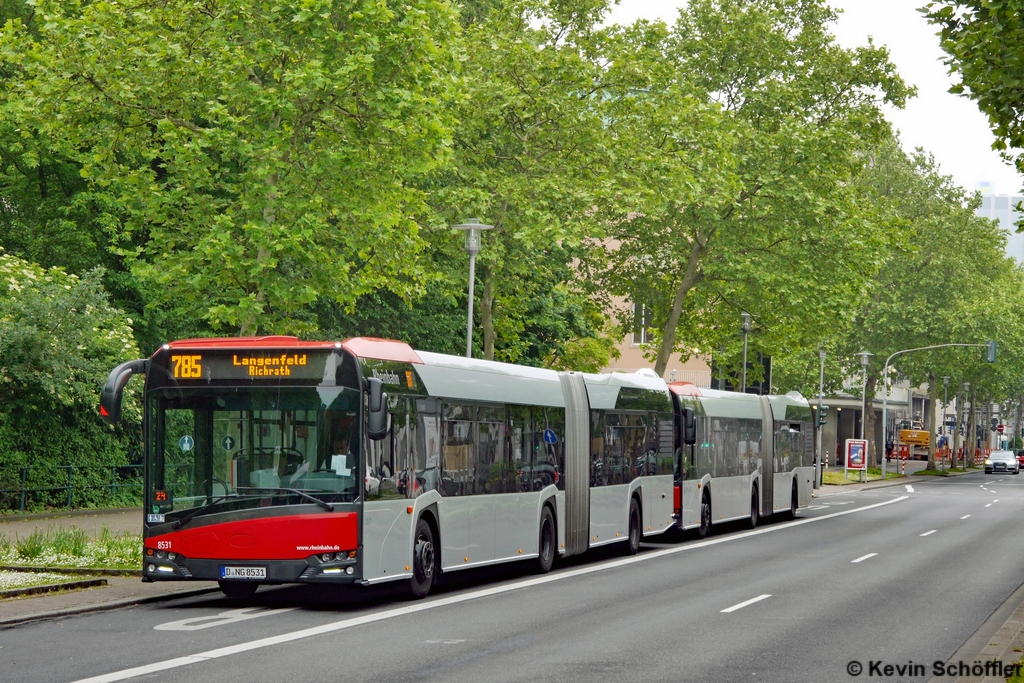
59 338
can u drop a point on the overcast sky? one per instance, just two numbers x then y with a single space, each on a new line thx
948 126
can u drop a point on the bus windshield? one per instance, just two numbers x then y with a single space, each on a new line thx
234 448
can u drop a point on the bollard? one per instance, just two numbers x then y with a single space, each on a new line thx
903 465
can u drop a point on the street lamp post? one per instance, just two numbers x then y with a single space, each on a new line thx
945 407
819 470
745 326
967 421
885 372
865 358
473 229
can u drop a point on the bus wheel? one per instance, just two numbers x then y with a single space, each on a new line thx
705 516
546 556
633 539
794 503
424 560
238 590
754 509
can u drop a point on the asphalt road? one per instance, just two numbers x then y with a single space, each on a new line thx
888 575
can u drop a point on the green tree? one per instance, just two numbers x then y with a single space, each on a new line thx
527 157
742 146
985 43
261 154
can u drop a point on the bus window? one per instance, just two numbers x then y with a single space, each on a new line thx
491 464
457 450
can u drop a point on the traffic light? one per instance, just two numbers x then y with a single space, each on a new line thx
822 415
995 423
990 352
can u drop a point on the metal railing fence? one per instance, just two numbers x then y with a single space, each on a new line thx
65 485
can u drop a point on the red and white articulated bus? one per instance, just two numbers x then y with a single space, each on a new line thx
273 460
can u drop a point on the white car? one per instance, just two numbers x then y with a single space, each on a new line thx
1002 462
372 483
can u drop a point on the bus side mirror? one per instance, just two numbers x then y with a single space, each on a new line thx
113 389
377 416
689 427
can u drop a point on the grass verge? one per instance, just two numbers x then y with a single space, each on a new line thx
941 473
72 548
835 477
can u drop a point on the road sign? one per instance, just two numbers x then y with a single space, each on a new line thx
550 436
186 443
228 442
1000 428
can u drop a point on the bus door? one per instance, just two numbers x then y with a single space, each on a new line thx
767 457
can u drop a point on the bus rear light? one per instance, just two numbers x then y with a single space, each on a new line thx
408 510
677 499
351 554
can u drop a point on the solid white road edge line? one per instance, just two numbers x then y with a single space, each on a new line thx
743 604
861 559
929 533
453 600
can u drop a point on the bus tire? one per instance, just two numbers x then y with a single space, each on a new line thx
794 502
705 515
755 511
238 590
424 560
546 547
633 533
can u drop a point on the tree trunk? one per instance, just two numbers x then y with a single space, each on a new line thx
932 397
487 312
970 437
869 420
249 325
691 277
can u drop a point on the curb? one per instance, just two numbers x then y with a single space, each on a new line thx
907 479
74 571
16 516
50 587
103 606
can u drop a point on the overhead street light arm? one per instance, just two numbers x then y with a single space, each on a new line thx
885 382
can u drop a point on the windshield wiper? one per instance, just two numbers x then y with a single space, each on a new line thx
302 494
199 510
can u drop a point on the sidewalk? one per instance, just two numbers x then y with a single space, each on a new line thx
119 591
910 478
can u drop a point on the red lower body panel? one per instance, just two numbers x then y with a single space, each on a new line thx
271 538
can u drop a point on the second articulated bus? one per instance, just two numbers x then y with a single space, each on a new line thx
273 460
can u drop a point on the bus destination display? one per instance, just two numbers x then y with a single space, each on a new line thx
254 365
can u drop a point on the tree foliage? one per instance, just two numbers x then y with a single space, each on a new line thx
260 153
745 140
985 43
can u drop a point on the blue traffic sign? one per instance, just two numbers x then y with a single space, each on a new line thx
550 436
228 442
186 443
